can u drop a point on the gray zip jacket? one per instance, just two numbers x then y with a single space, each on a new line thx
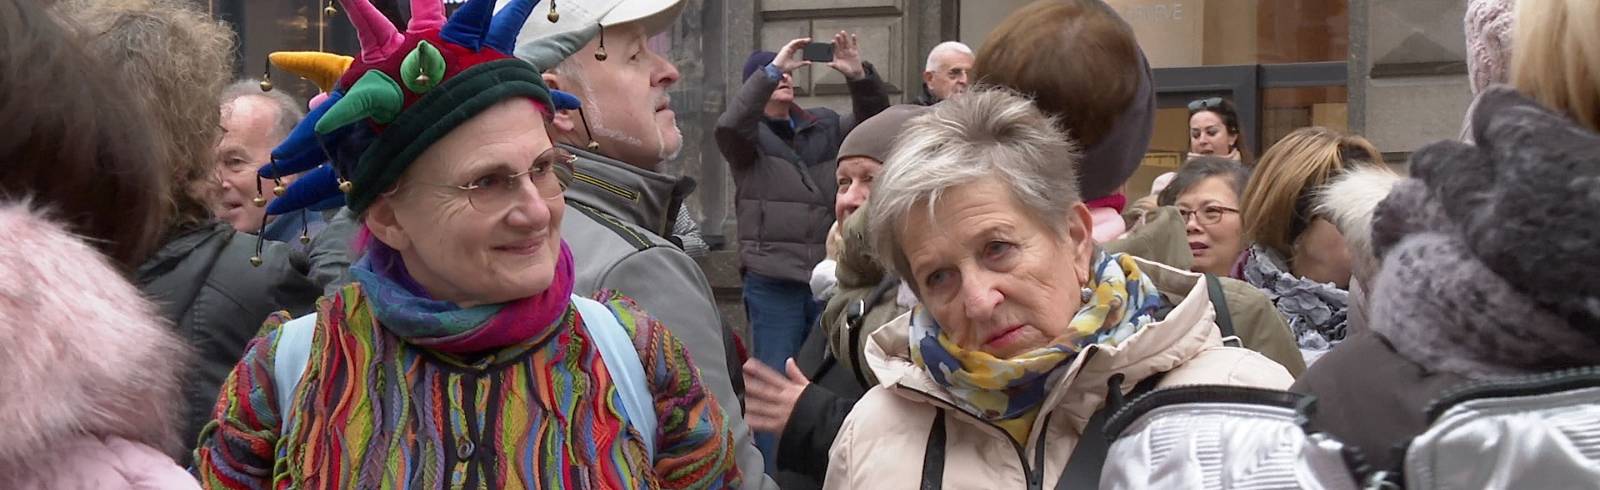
616 218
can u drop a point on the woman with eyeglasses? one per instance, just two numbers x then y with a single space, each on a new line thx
459 357
1214 130
1297 256
1206 193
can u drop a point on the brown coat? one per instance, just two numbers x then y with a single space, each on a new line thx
1370 396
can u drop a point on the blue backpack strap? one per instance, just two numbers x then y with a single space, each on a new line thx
627 370
289 360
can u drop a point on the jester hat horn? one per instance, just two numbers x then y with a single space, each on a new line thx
406 90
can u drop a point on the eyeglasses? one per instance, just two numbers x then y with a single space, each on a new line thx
1203 104
497 191
1208 215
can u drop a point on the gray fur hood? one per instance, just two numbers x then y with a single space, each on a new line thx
1490 252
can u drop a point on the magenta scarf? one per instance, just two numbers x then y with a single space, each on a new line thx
404 308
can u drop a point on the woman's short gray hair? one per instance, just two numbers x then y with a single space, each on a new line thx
989 132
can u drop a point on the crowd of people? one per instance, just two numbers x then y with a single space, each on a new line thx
462 264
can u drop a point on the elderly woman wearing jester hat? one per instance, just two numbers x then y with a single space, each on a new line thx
459 356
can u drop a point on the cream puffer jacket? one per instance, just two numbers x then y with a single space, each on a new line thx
882 442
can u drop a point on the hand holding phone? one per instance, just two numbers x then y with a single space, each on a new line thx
785 60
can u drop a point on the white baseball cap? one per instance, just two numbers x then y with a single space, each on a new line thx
655 15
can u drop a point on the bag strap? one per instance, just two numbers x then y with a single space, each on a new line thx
622 361
289 359
933 456
855 315
1089 456
1219 302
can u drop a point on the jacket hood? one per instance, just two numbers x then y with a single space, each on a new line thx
84 353
1489 252
646 199
1159 347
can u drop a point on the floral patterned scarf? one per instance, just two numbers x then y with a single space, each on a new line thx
1009 392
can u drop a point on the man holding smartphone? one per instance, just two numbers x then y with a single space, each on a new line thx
783 159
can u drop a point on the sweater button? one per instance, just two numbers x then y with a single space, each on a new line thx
464 448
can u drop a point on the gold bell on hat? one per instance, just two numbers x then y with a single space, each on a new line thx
600 52
266 77
594 145
255 261
344 186
305 239
330 11
278 190
553 16
258 201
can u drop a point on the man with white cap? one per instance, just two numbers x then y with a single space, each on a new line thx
626 206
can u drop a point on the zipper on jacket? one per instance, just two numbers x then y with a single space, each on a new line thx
1033 476
1536 384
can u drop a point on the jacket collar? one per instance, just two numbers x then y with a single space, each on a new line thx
178 245
643 198
1160 347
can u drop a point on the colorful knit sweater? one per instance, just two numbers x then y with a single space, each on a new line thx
526 416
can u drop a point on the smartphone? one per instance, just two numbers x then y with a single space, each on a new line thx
819 52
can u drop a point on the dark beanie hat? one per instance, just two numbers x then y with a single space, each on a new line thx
875 136
757 60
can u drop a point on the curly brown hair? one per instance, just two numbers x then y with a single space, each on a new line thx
76 150
176 59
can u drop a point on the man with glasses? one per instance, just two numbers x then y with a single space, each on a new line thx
947 73
621 208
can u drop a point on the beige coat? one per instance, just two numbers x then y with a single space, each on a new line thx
881 444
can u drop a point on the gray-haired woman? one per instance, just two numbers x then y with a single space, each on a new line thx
1026 326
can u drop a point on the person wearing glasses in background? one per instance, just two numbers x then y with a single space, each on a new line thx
1206 193
1214 130
1296 254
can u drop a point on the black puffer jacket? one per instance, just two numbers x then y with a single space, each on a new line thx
203 283
785 176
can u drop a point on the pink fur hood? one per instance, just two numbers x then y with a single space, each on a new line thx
82 354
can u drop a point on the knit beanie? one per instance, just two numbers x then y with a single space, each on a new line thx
757 60
1490 251
875 136
1488 29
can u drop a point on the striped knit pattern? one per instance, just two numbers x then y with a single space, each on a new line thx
373 411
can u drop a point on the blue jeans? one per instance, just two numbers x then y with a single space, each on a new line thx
781 314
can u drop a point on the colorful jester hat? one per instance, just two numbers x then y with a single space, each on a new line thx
407 90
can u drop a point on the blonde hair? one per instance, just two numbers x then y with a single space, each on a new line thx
1278 200
177 60
1556 56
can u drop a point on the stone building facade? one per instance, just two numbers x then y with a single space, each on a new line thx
1392 70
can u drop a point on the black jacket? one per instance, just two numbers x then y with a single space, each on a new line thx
835 387
203 282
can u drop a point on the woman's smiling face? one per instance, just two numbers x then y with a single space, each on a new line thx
468 252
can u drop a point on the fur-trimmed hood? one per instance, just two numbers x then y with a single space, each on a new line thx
1491 252
81 352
